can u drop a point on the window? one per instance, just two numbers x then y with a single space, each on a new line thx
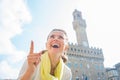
80 65
88 66
81 50
69 64
75 65
77 78
84 51
96 67
74 49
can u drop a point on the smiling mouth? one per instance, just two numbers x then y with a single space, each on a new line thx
55 46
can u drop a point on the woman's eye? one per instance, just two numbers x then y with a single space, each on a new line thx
58 37
61 37
52 36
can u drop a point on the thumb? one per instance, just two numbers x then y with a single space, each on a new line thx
31 47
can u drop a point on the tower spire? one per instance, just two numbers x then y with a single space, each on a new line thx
79 25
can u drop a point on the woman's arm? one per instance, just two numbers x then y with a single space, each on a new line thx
25 72
31 64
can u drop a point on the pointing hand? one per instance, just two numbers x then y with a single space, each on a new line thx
33 58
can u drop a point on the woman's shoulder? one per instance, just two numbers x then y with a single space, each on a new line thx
66 68
67 74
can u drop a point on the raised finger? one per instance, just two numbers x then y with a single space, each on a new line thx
31 48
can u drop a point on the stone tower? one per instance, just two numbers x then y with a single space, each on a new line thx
85 62
79 26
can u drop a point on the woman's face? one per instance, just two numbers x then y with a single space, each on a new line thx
57 42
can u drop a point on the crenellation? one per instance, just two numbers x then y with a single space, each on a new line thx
80 49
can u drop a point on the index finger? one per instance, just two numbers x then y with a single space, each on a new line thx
31 47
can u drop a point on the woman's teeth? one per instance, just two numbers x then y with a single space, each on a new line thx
55 46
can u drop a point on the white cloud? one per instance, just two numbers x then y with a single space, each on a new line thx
13 14
6 71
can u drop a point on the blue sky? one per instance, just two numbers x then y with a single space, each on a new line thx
24 20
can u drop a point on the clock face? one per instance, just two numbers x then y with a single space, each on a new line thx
85 43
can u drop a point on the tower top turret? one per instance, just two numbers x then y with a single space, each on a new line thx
77 16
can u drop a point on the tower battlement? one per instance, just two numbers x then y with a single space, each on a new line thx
88 52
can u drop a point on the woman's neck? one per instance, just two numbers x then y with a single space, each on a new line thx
54 59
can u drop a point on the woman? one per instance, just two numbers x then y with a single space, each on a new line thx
50 63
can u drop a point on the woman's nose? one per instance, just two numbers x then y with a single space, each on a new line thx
56 38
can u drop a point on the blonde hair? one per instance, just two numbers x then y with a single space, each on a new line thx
59 30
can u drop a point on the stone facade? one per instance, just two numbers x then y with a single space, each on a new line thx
112 74
85 62
117 66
